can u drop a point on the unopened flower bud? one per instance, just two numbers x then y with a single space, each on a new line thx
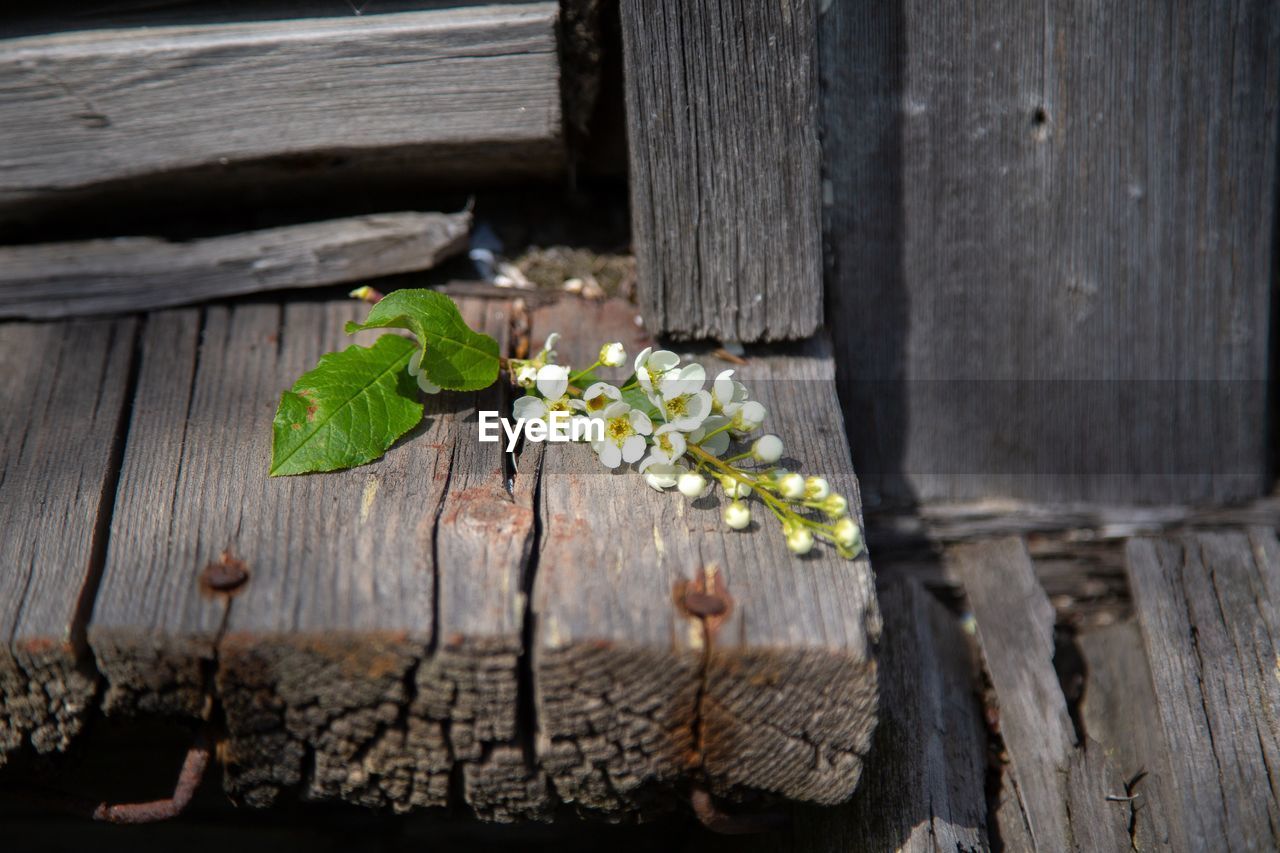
848 534
749 417
737 515
527 376
767 449
792 487
816 488
835 505
613 355
735 488
800 540
691 484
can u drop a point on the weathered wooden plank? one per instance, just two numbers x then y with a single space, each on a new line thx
633 698
1079 199
722 121
142 273
1208 612
64 391
471 88
1061 784
1119 712
323 662
923 787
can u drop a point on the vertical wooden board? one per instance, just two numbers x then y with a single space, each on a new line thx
62 399
322 661
631 697
1049 235
1060 781
1209 625
923 788
1119 711
722 119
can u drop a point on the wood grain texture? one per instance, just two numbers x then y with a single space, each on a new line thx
1050 246
923 787
1207 606
634 698
324 663
722 122
470 87
141 273
64 390
1118 710
1060 783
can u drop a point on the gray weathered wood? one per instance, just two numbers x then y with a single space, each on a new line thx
923 787
634 698
1119 712
1050 231
62 395
722 120
140 273
1060 784
324 663
1207 605
455 91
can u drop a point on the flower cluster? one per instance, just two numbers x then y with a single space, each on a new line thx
681 433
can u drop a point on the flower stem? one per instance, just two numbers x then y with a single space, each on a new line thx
575 377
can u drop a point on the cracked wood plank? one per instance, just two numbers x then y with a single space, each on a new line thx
62 400
142 273
1060 783
633 702
1119 711
446 91
923 787
726 190
1207 605
324 662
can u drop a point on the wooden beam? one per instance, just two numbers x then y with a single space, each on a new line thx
473 88
367 658
1209 608
62 400
923 788
1051 233
139 273
1061 784
634 697
722 121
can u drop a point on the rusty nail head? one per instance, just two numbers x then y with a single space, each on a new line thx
225 574
702 604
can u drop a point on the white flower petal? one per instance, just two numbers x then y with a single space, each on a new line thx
663 360
553 381
633 448
616 410
610 455
722 388
642 357
530 408
640 421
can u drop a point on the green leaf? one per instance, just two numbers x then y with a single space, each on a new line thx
454 357
636 399
347 410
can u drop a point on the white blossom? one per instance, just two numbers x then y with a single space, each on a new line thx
791 486
613 354
596 399
835 505
553 385
816 488
651 367
680 397
767 449
800 540
847 533
668 444
526 375
624 432
737 515
660 475
727 391
747 416
691 484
